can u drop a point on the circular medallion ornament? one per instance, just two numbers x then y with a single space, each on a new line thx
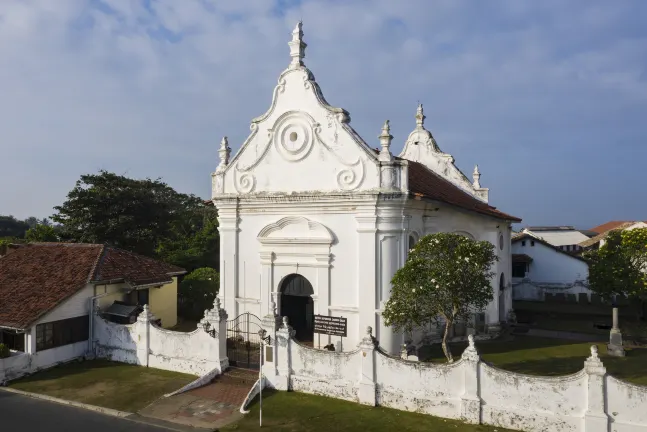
293 136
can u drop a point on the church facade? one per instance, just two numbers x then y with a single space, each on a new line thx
314 221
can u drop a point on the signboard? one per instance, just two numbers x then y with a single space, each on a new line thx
334 326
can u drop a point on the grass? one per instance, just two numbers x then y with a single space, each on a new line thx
104 383
549 357
288 411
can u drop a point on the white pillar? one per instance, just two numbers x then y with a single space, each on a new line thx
471 399
595 417
366 392
143 336
228 229
283 341
322 284
367 287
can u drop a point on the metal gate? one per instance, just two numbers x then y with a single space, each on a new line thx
243 341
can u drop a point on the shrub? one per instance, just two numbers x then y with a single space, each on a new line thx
4 351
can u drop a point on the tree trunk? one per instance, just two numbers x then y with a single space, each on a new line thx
446 350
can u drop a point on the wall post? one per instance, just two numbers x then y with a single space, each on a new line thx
471 399
367 387
215 321
595 417
283 362
143 335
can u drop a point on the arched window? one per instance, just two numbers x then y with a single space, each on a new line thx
413 239
296 285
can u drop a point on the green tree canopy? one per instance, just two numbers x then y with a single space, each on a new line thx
446 276
144 216
42 233
11 227
618 267
197 291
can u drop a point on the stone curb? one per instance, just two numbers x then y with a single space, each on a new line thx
102 410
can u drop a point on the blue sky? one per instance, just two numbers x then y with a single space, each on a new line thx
548 97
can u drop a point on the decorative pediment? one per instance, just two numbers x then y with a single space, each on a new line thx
296 230
422 147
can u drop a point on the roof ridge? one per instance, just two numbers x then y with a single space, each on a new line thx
96 264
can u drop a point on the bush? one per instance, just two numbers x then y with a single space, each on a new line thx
197 292
4 351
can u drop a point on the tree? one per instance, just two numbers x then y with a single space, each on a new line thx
42 233
618 267
446 277
136 215
12 227
197 291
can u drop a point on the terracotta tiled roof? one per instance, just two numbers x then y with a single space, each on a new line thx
602 236
423 181
37 277
609 226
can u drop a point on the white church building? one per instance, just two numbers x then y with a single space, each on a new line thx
314 220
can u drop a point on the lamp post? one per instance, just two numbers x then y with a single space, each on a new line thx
264 339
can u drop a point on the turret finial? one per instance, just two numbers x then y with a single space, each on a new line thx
420 117
476 175
385 142
297 46
224 153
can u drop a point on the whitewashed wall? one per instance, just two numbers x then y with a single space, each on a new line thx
549 265
469 389
145 344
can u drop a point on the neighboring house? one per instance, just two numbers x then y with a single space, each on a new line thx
47 291
540 268
604 230
313 220
566 238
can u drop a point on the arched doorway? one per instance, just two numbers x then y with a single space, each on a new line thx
296 304
502 317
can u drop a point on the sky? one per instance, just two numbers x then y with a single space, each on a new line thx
548 97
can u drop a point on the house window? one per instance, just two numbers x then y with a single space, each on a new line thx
532 242
142 297
15 341
519 270
523 242
64 332
412 241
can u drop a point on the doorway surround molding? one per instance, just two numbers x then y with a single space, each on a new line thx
295 245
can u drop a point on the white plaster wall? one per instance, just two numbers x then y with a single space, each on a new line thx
14 366
532 403
194 353
536 292
626 405
76 305
53 356
117 342
551 266
326 373
419 387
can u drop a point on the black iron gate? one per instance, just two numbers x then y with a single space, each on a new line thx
243 341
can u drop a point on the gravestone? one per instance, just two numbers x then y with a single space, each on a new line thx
614 348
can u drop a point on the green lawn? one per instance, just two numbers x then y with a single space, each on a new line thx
288 411
104 383
549 357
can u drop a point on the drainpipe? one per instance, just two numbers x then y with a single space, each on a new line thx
91 315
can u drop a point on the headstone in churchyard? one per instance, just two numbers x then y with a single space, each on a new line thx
614 348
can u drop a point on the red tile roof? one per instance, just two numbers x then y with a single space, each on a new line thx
35 278
610 226
428 184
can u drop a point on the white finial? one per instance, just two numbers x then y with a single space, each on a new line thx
470 341
224 153
477 177
385 141
420 117
594 352
297 46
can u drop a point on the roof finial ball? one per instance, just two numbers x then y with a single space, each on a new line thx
297 46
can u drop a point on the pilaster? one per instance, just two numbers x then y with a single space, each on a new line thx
267 284
366 392
322 286
283 366
228 220
367 288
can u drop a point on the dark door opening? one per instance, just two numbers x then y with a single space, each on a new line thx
297 305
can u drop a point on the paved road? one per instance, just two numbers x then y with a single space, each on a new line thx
24 414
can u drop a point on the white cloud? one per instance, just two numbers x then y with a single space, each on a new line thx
150 90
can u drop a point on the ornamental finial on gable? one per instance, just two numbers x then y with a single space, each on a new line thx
297 46
385 142
476 176
224 153
420 117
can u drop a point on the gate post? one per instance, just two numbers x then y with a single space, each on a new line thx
270 323
366 393
283 340
595 416
217 320
143 335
